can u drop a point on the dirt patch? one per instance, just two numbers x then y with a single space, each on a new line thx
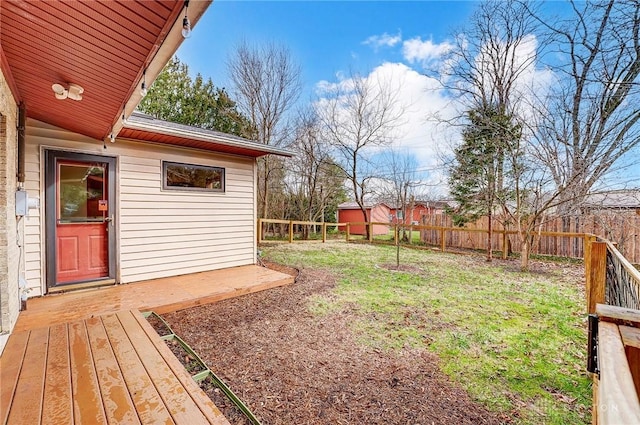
292 367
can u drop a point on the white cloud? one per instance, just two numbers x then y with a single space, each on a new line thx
423 130
384 40
422 102
416 50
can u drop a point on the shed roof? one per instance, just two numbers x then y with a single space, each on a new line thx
625 199
355 206
143 127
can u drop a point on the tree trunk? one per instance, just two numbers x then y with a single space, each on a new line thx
397 238
366 227
524 255
490 237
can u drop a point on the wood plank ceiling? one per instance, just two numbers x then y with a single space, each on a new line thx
102 46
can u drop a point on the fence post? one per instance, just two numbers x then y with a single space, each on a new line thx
324 232
443 242
505 243
290 231
370 224
259 230
596 279
347 228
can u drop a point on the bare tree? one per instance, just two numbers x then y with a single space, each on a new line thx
267 84
315 184
590 120
492 56
357 116
403 181
402 177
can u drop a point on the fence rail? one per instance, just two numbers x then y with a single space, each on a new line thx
443 237
620 227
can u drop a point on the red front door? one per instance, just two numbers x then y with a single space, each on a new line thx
81 227
80 251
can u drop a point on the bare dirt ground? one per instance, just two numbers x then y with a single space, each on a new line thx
292 367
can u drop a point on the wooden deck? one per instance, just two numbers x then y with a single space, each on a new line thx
160 295
111 369
89 357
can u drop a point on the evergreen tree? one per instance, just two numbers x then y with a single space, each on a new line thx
176 97
485 157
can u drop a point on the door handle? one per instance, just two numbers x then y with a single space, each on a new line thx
109 219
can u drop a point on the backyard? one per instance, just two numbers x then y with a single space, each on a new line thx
447 338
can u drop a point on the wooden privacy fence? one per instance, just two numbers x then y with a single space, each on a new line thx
620 227
613 303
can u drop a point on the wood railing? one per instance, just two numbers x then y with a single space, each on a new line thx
613 300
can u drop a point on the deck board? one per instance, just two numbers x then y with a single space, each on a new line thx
27 405
207 407
87 403
57 406
144 394
117 403
171 390
105 369
11 363
161 295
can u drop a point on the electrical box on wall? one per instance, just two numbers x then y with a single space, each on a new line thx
22 203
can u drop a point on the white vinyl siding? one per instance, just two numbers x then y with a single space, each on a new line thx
160 233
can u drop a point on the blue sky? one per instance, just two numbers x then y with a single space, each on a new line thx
325 37
331 38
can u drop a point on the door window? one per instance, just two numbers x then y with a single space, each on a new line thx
81 188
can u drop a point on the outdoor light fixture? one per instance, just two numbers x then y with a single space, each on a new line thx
74 92
186 24
112 138
143 88
124 118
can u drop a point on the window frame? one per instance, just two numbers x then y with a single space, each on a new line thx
165 186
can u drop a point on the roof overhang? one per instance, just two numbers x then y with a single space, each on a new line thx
103 46
144 128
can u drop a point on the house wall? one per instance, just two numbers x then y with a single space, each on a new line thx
9 237
160 233
380 214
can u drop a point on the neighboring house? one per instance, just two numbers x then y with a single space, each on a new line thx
77 210
416 211
627 200
377 213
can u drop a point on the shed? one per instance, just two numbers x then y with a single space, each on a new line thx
351 212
